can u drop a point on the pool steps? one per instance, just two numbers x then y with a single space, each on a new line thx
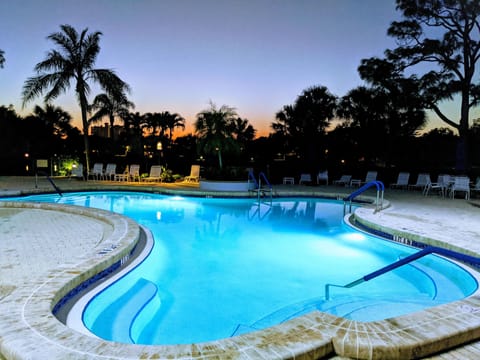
135 299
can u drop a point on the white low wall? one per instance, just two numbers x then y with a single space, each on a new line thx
226 185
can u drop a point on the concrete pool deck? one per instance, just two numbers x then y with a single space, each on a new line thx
45 247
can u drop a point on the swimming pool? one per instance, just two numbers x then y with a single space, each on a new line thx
261 264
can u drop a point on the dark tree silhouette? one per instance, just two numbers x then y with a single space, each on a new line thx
445 34
73 61
213 128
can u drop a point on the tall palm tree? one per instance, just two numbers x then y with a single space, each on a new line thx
213 127
73 61
2 58
106 105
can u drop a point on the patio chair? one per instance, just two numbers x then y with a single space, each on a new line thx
344 180
322 176
97 171
423 179
476 187
462 184
77 172
194 174
155 174
442 185
305 178
402 180
123 176
134 173
110 171
371 176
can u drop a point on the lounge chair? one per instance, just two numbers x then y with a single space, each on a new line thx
442 185
462 184
97 171
124 176
423 179
110 171
322 176
371 176
344 180
155 174
77 171
134 173
194 174
476 187
305 178
402 181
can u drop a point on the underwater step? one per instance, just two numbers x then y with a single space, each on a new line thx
110 323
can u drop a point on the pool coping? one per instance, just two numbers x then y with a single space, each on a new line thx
315 335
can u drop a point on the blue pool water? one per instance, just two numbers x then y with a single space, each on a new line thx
222 267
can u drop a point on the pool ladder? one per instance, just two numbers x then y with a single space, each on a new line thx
471 260
259 188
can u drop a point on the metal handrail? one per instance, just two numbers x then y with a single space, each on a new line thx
426 251
258 184
50 180
378 202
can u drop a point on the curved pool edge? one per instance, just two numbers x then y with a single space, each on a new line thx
315 335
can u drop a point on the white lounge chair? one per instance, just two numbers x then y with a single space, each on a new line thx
77 171
476 187
344 180
97 171
134 173
194 174
442 185
155 174
371 176
423 180
322 176
110 171
305 178
461 184
402 180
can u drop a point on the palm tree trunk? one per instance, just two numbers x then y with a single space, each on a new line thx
83 107
220 162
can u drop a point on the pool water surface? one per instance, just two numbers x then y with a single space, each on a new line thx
222 267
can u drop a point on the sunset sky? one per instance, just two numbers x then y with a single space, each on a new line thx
177 55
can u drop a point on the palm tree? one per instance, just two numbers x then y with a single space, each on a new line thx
106 105
174 121
2 58
74 60
55 119
213 127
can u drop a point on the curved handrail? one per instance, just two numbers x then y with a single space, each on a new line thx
251 176
55 187
368 185
380 189
419 254
264 177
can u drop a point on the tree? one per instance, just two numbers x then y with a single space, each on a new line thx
134 124
213 128
106 105
73 61
56 120
2 58
304 123
446 35
389 116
